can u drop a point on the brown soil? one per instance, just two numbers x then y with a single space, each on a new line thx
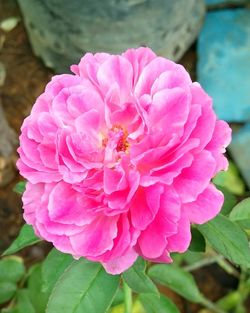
26 77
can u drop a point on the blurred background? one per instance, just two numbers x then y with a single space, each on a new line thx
39 38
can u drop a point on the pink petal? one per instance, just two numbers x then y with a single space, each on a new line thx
31 194
48 155
195 179
145 206
72 208
180 241
171 79
139 58
206 207
153 240
112 71
114 180
169 107
121 264
221 138
97 237
150 73
36 176
204 134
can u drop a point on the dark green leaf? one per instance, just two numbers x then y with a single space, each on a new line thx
20 187
191 257
154 304
7 291
24 304
176 279
198 243
83 287
25 238
38 297
228 239
119 297
137 280
53 267
11 269
229 200
241 213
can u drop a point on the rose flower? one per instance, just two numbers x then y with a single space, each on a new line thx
119 158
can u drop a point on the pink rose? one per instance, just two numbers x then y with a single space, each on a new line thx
119 158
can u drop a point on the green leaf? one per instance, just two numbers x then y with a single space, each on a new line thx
241 213
191 257
20 187
229 200
153 304
7 291
83 287
229 301
38 297
137 280
24 304
53 267
228 239
230 180
198 243
136 308
119 297
176 279
25 238
11 269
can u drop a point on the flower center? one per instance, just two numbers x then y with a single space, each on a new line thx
118 137
122 143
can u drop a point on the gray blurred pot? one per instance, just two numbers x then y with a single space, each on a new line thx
61 31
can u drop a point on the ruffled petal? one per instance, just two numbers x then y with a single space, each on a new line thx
206 206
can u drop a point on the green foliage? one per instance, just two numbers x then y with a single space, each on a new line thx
83 287
230 180
198 243
38 297
23 302
11 269
119 297
241 213
53 267
7 291
229 200
176 279
229 301
137 279
153 304
228 239
25 238
20 187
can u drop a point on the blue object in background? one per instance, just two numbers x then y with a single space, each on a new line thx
210 2
240 150
224 62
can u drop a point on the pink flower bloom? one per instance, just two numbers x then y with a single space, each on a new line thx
119 157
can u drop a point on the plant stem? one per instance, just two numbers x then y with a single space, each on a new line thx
211 306
219 259
128 302
203 262
228 268
243 290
